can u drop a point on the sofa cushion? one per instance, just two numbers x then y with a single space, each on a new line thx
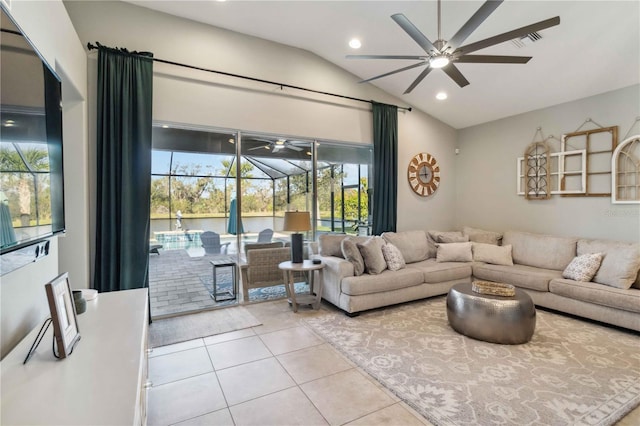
383 282
482 236
620 263
454 252
412 244
599 294
331 244
448 237
542 251
490 253
438 272
351 252
394 258
431 243
521 276
371 251
583 267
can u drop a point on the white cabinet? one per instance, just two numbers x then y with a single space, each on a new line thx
101 383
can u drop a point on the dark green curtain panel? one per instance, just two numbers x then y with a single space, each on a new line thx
125 88
385 168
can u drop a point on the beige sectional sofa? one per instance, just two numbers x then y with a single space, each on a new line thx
538 262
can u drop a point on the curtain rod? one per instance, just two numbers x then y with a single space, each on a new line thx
281 85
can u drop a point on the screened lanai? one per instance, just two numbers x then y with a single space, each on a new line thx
195 188
194 185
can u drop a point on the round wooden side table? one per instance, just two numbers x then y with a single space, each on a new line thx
313 298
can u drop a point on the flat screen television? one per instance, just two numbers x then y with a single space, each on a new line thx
31 172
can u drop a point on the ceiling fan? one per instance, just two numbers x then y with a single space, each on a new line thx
278 144
444 53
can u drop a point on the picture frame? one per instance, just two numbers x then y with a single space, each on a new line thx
63 314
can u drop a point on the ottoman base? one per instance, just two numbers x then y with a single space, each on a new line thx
495 319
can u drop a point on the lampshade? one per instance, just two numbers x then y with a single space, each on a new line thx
297 221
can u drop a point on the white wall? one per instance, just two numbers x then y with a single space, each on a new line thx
486 172
204 99
23 302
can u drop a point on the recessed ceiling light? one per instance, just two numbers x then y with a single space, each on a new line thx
164 126
354 43
308 152
231 140
441 96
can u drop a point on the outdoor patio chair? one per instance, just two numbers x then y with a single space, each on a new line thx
211 243
261 269
265 236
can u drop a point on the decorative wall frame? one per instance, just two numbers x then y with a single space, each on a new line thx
567 173
599 145
63 314
625 166
537 174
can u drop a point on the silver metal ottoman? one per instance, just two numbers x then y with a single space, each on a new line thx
496 319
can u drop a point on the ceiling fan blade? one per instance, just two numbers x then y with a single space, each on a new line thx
385 57
508 35
418 80
258 147
474 22
414 33
394 72
455 74
293 147
492 59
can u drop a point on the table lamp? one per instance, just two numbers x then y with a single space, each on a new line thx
296 222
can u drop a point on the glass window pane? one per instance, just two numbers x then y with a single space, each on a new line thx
160 162
343 188
200 164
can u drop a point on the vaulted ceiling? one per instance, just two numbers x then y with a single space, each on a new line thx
595 49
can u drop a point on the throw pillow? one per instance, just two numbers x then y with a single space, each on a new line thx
490 253
454 252
393 256
583 267
371 251
448 237
482 236
620 261
351 253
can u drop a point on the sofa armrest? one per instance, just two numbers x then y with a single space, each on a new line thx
335 269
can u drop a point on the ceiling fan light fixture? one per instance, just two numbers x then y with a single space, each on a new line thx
439 61
280 142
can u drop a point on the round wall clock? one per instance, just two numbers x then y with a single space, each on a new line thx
423 174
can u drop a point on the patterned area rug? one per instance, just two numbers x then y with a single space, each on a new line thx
572 372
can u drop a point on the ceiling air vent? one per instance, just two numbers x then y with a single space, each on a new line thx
526 40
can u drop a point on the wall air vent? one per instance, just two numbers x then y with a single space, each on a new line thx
526 40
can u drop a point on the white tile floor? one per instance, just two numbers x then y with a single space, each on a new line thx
279 373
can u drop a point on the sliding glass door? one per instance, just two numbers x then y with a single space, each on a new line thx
237 186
